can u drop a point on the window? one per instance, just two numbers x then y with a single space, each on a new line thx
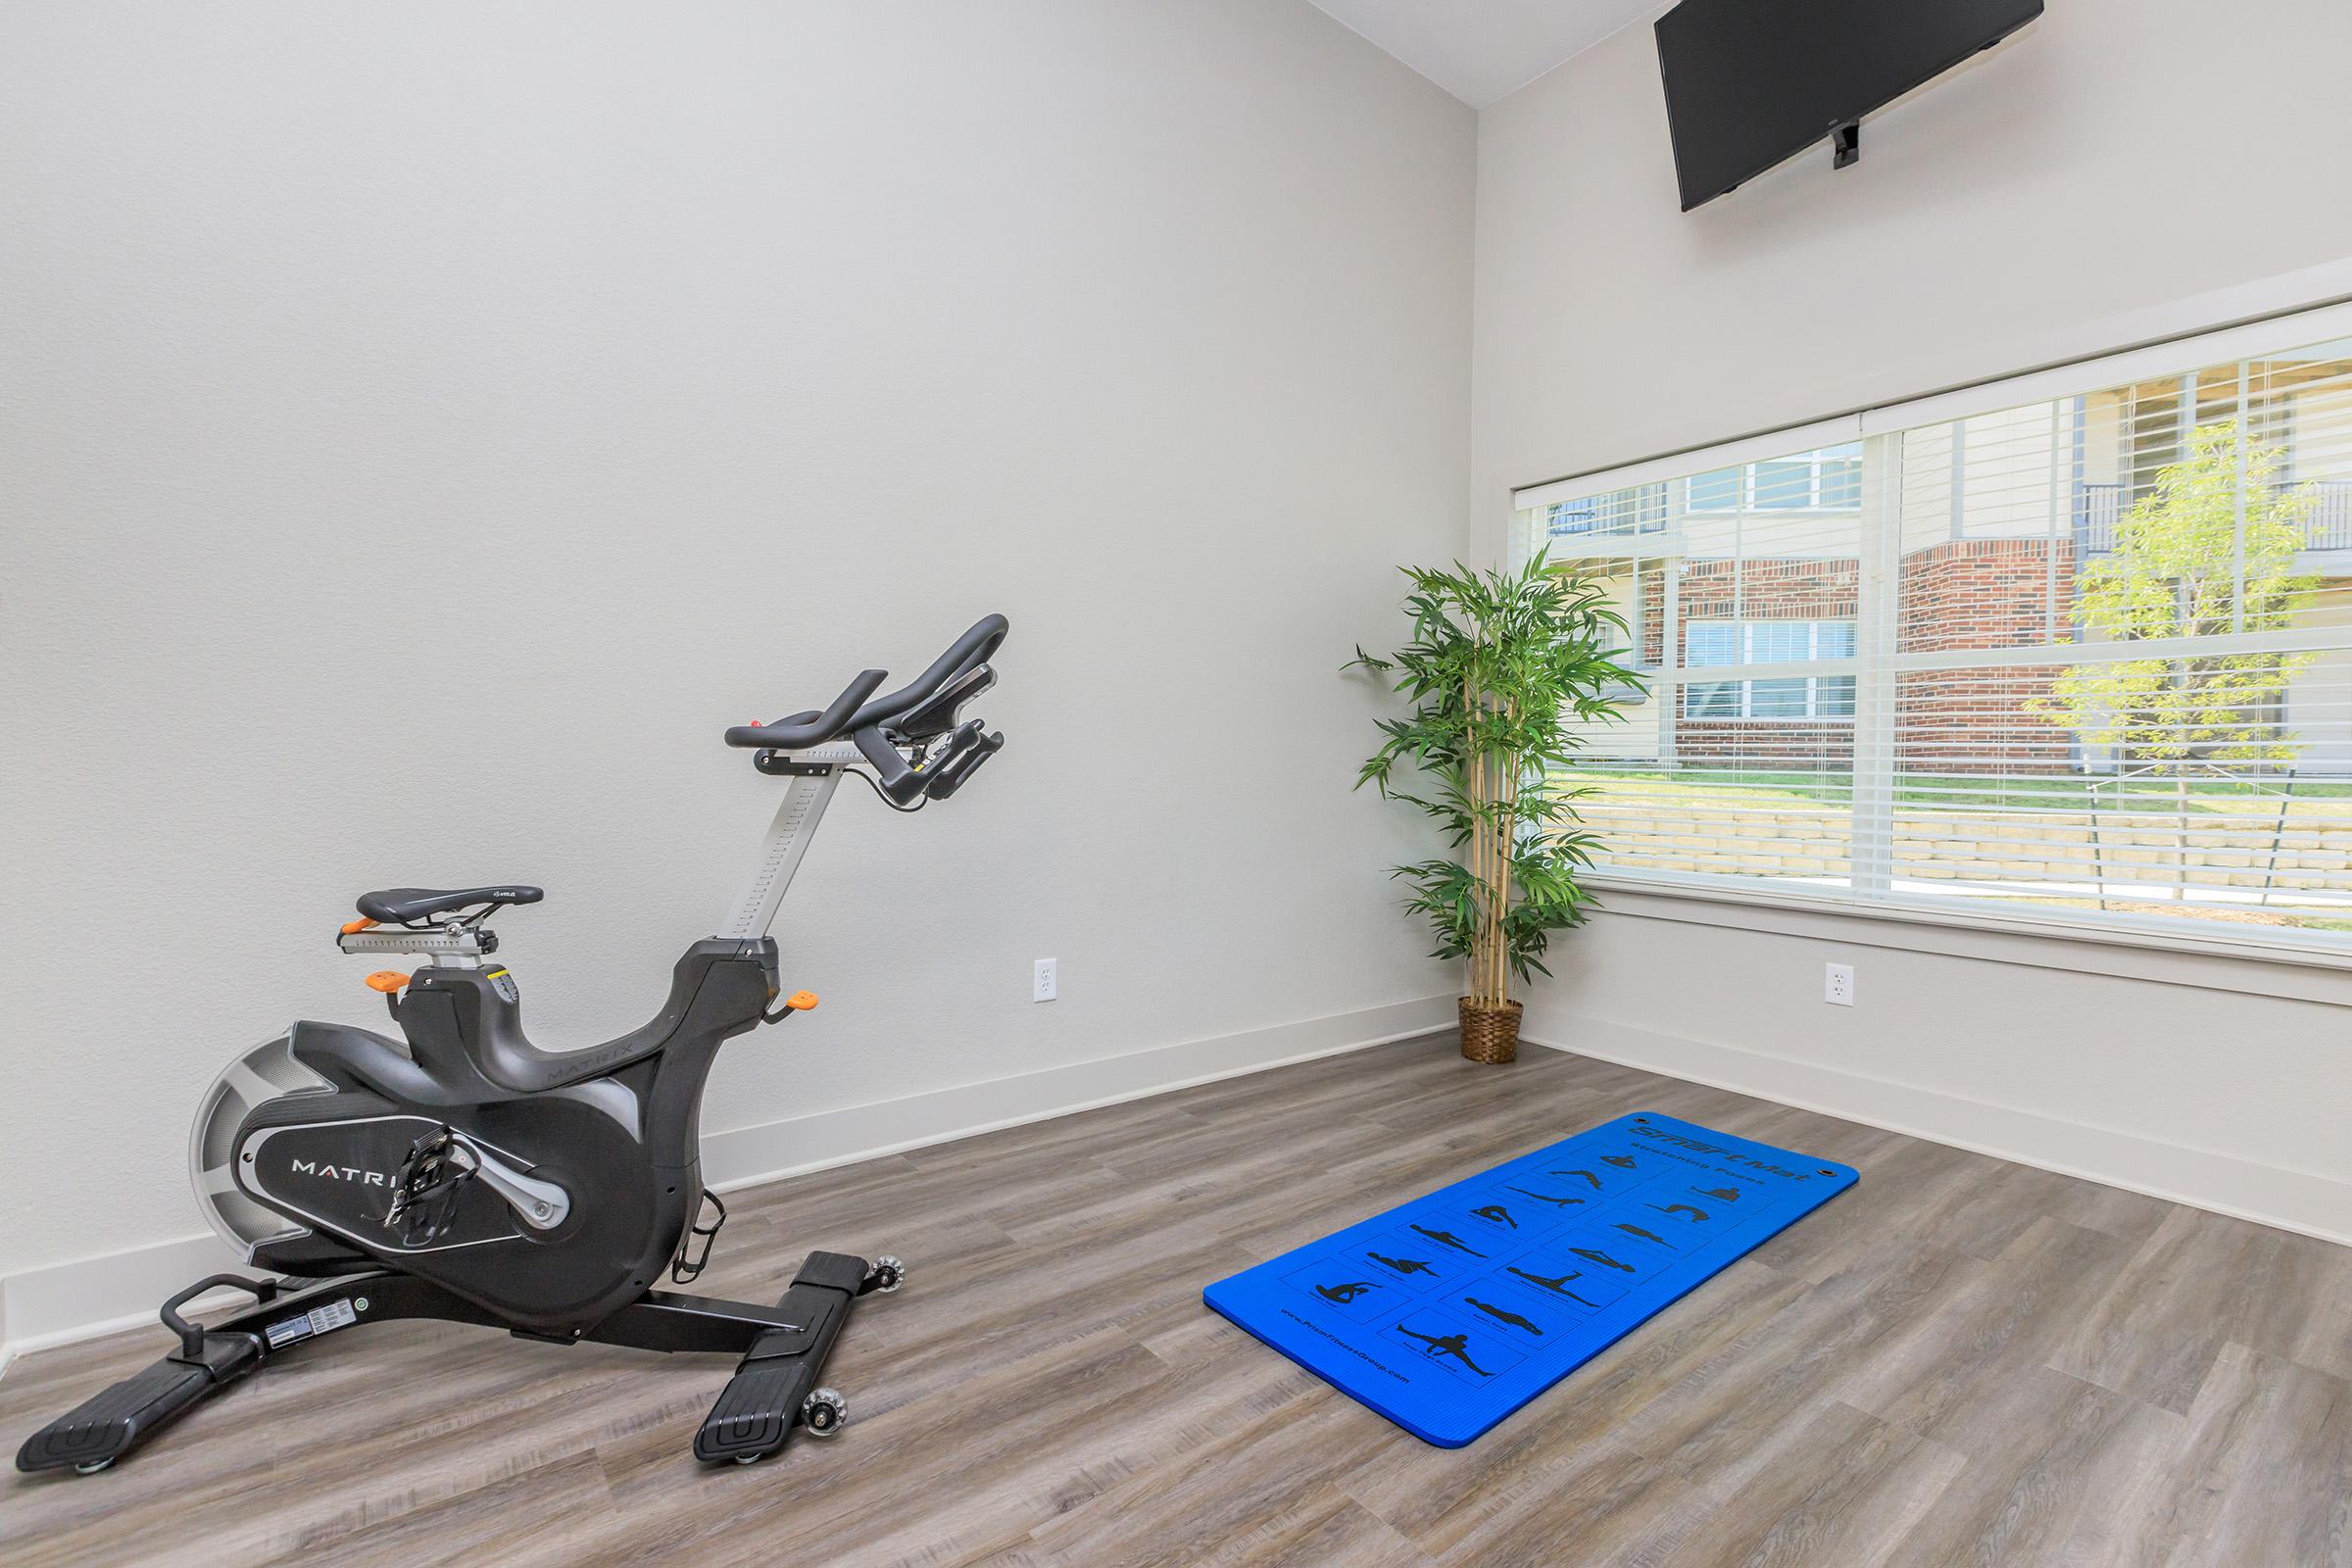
1720 491
1627 512
1827 480
2076 645
1769 642
1568 518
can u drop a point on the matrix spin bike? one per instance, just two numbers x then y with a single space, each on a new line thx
466 1175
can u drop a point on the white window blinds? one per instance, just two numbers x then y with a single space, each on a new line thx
2086 653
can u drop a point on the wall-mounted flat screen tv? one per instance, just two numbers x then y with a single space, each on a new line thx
1749 82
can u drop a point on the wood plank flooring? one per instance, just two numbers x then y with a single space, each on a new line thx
1960 1361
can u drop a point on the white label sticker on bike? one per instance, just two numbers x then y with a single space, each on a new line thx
335 1314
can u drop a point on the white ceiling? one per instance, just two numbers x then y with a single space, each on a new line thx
1482 50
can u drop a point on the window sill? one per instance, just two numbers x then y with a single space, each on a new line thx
2217 960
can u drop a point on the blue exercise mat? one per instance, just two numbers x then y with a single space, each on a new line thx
1448 1314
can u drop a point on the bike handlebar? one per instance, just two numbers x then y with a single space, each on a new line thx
857 708
968 653
803 730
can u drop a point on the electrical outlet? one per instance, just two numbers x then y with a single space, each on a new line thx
1837 985
1045 983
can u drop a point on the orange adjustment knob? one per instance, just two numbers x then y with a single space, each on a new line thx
801 1001
387 981
352 928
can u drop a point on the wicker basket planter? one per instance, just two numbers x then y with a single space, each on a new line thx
1490 1034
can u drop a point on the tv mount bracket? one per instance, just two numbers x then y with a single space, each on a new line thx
1845 143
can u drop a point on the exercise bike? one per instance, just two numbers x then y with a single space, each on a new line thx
471 1177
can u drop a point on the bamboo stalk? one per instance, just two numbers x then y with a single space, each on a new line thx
1478 857
1505 824
1475 783
1493 911
1480 987
1495 875
1486 924
1498 962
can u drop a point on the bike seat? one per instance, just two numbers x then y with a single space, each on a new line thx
402 905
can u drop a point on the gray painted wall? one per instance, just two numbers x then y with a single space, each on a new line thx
2061 181
425 427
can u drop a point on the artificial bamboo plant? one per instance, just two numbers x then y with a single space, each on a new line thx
1502 670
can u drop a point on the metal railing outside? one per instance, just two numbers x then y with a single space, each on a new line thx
2099 511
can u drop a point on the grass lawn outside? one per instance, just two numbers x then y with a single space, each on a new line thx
2327 799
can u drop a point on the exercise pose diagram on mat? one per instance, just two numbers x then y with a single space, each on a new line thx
1553 1198
464 1174
1448 1238
1454 1345
1344 1293
1504 1314
1632 1229
1558 1286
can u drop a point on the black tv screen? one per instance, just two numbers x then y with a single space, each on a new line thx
1749 82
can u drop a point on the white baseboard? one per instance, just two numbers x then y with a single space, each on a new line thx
803 1143
2300 1201
77 1300
92 1295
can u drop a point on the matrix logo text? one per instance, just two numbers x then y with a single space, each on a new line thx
339 1173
